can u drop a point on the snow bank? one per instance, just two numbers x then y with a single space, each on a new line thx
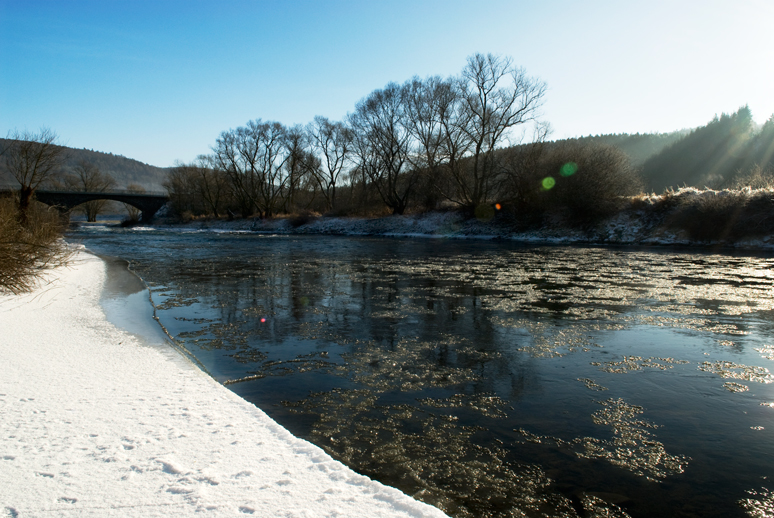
97 423
626 228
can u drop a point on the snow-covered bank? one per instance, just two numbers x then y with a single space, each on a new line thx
627 228
97 423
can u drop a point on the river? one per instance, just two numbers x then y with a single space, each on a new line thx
489 378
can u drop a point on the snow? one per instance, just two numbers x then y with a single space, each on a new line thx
626 228
97 422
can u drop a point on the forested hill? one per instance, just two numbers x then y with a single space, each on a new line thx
124 170
728 152
639 146
720 154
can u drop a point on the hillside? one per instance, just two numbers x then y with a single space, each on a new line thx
124 170
716 155
639 146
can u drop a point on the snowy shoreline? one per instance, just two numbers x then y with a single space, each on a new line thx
626 229
98 423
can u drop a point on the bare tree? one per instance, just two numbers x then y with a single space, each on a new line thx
226 157
254 157
198 187
497 97
332 141
434 118
181 185
272 156
212 184
32 159
87 177
381 146
302 167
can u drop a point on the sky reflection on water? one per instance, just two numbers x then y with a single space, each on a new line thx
491 379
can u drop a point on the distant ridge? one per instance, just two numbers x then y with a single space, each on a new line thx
638 146
714 155
124 170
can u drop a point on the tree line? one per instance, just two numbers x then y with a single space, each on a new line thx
429 144
426 143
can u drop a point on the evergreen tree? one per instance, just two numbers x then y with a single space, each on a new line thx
709 156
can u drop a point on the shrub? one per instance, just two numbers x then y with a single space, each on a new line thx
579 183
27 250
302 218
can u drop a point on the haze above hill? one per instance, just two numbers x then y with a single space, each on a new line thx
125 171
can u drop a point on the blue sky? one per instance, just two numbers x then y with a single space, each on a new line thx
159 80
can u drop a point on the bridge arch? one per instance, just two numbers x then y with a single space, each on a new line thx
65 201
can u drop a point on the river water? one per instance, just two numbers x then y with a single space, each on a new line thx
488 378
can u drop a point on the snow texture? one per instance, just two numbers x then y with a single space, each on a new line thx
97 423
626 228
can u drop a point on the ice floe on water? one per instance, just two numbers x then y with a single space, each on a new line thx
633 446
760 504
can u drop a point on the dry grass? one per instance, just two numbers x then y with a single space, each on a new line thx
727 215
26 251
756 178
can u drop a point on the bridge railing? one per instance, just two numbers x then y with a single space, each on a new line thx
10 188
107 193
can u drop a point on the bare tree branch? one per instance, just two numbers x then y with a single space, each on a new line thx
32 159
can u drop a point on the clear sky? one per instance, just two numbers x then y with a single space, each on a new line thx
159 80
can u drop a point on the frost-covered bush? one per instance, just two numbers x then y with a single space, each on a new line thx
713 215
727 215
755 178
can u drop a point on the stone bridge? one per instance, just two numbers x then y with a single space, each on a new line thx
65 201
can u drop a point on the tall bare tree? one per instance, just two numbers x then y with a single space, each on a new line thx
435 117
497 96
382 146
332 141
302 167
198 187
227 157
32 159
87 177
254 157
212 184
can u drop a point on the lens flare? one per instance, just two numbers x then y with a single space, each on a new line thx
548 182
263 320
568 169
498 206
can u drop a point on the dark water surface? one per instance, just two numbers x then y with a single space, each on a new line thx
490 379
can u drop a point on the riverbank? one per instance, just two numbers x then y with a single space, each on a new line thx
97 422
688 218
